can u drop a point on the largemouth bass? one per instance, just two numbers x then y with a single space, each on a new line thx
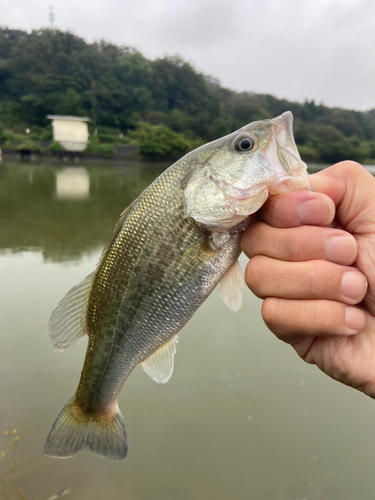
169 250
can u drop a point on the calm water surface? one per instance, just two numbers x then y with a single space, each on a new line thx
242 418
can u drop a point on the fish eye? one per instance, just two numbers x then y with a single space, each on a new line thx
244 143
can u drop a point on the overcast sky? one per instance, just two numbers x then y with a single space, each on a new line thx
297 49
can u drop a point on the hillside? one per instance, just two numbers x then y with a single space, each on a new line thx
163 105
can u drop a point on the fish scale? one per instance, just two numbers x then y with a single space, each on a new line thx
169 250
144 289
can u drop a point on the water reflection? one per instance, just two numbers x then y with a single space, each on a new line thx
67 211
34 217
241 418
72 183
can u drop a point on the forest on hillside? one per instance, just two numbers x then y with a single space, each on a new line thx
163 105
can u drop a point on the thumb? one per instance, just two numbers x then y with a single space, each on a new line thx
352 188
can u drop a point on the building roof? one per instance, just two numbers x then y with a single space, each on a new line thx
76 118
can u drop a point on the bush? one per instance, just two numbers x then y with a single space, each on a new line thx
327 133
308 154
158 142
35 132
107 135
107 138
30 146
56 146
221 127
371 150
106 150
8 136
46 135
8 145
344 149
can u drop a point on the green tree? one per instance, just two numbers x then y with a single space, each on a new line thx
158 142
177 86
53 72
43 66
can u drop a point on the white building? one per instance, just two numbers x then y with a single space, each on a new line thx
70 131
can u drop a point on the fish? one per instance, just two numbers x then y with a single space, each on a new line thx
169 250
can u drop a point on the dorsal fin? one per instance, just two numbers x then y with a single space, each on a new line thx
68 322
231 287
160 364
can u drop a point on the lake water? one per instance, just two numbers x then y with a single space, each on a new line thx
242 418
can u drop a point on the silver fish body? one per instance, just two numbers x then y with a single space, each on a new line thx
170 249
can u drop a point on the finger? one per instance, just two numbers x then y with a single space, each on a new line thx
351 188
298 208
300 243
319 318
315 279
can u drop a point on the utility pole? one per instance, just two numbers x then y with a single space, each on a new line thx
51 17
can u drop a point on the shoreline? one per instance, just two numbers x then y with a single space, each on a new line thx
121 153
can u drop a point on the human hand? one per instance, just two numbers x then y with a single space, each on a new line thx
313 262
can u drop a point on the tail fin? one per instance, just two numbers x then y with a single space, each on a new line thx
76 430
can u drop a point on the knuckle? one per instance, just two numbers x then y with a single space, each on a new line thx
349 168
269 211
295 249
271 313
254 274
250 238
314 317
246 241
323 279
314 271
353 165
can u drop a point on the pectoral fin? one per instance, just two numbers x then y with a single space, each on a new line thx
160 364
231 286
68 322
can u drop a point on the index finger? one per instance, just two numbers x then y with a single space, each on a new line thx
298 208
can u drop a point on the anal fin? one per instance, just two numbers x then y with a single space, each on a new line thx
160 364
231 287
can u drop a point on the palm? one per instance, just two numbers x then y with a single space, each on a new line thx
349 359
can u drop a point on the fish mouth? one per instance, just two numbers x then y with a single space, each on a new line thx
283 134
282 157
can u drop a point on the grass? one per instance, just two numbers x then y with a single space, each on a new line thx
10 449
8 453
